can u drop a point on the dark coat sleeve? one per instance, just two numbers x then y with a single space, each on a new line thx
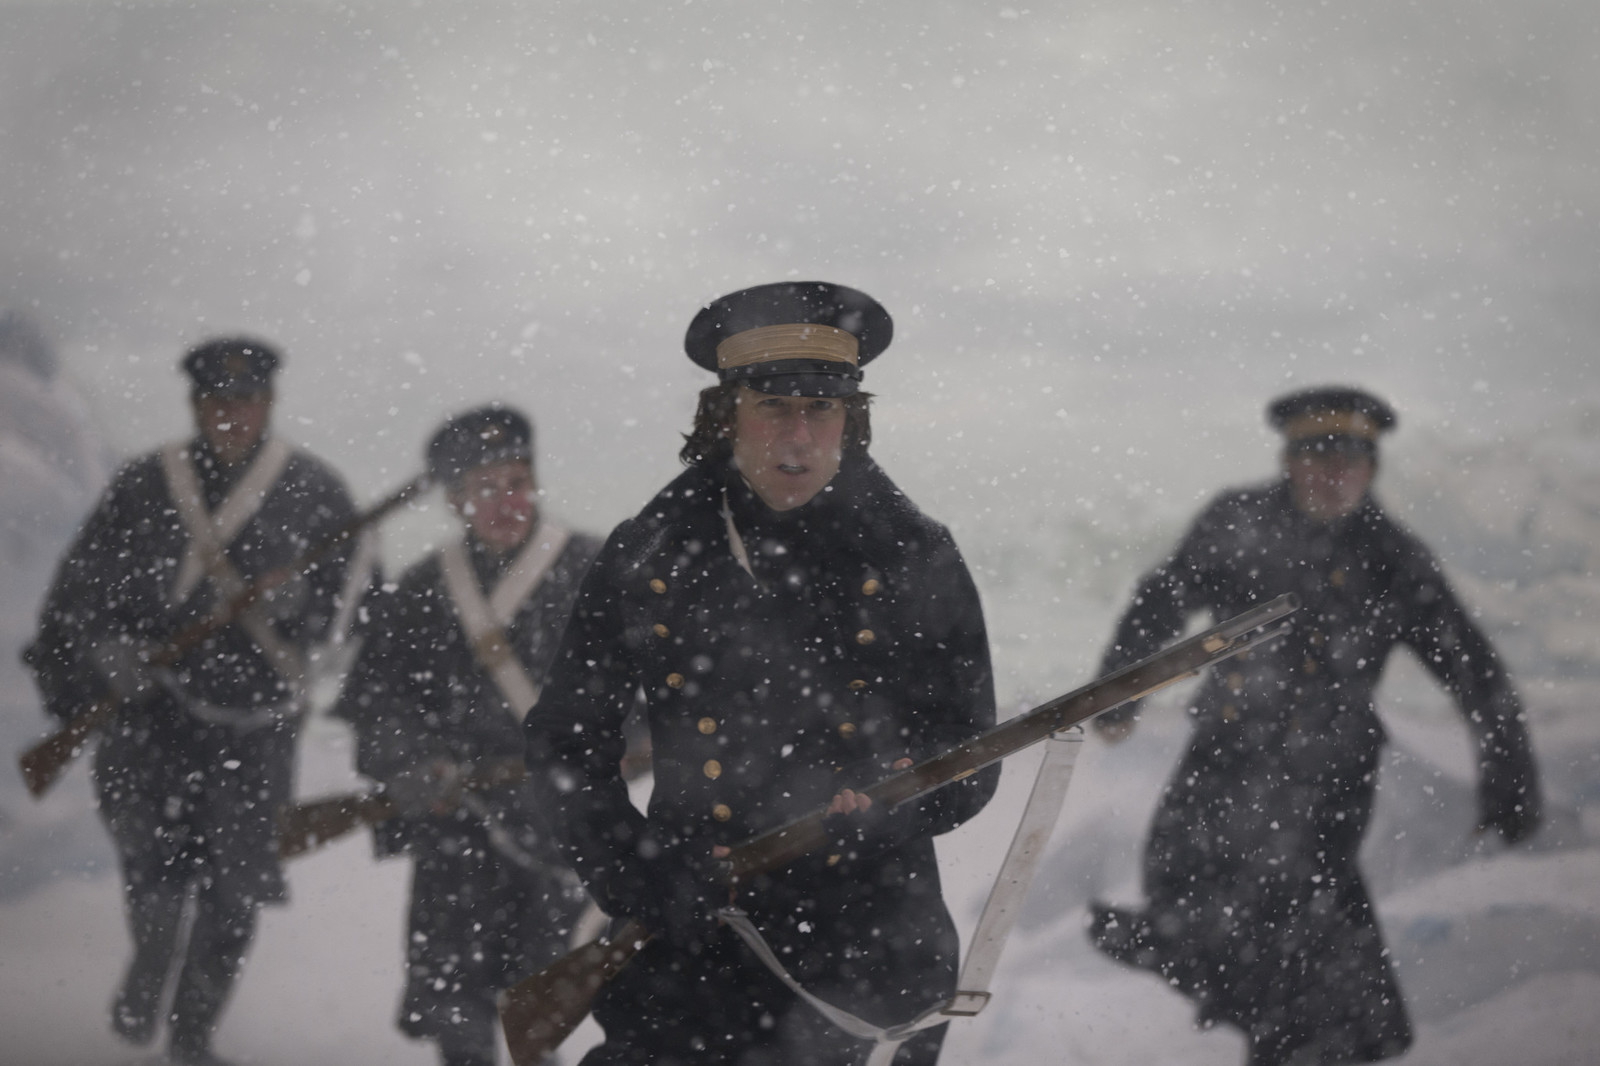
1165 598
321 506
1458 654
575 742
949 699
389 688
104 588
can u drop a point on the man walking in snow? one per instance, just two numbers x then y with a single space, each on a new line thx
452 661
201 754
1256 908
798 629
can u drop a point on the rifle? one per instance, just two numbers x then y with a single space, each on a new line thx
541 1011
303 827
42 763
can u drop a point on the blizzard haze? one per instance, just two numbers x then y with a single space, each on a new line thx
1108 233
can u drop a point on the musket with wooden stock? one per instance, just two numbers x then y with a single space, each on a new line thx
303 827
43 763
540 1012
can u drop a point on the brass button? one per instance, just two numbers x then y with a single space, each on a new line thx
707 726
660 630
1336 579
857 685
833 860
712 769
1230 713
722 812
657 585
1236 681
674 680
847 729
866 636
1309 666
870 587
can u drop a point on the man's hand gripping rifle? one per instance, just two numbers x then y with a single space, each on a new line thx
541 1011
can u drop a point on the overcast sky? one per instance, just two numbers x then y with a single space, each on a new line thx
1103 225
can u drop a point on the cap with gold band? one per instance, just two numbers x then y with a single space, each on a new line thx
791 338
1331 418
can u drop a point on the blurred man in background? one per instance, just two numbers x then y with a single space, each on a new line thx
1256 908
452 662
202 751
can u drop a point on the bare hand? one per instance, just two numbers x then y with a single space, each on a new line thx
848 800
448 783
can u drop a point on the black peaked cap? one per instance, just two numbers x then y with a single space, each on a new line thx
1331 399
476 438
231 366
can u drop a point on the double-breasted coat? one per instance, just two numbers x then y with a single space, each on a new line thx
490 900
853 638
1256 906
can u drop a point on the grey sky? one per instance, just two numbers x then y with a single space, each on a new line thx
1100 224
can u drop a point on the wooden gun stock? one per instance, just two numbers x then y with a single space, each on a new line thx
303 827
44 762
541 1011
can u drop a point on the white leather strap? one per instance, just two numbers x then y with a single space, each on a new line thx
1038 821
210 533
988 940
484 619
735 541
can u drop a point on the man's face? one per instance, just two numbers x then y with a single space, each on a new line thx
787 447
1328 485
496 502
233 425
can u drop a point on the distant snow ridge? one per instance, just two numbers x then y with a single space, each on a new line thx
53 463
1518 525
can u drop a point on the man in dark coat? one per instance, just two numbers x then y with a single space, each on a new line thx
201 754
1256 907
798 629
451 663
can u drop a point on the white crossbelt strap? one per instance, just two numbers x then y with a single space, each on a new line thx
484 619
210 534
988 940
357 577
735 541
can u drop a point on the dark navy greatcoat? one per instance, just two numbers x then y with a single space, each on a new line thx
486 909
1256 907
191 776
856 638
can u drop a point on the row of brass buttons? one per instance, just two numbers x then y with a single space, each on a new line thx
708 725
